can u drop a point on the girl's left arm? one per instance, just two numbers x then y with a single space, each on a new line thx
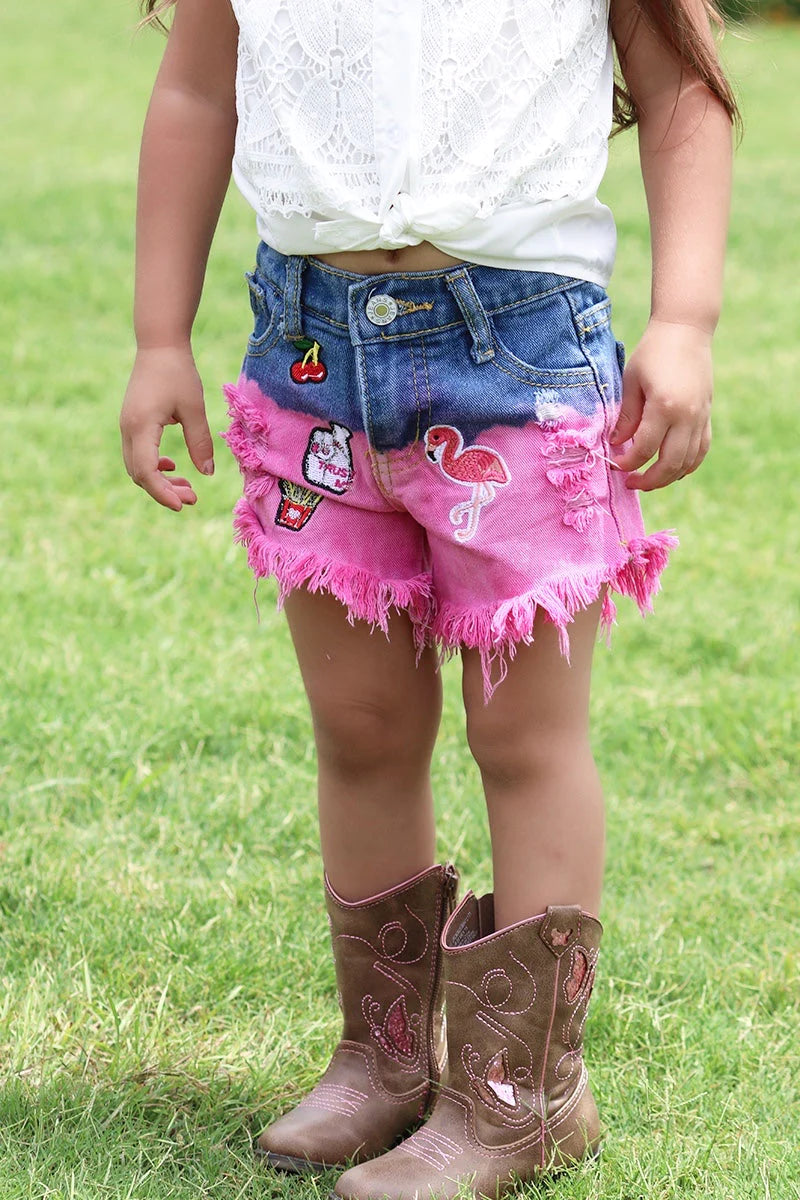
685 148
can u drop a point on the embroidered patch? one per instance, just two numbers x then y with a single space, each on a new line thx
477 467
396 1037
577 975
412 306
497 1084
296 506
308 369
560 937
328 461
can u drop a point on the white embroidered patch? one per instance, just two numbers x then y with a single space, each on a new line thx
328 461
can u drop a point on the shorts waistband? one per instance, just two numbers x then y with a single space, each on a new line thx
405 303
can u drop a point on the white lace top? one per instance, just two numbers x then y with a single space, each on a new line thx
478 125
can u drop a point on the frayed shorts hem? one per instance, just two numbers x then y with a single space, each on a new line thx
495 630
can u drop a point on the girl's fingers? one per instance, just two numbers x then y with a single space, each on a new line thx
160 489
698 449
646 442
187 494
630 414
142 460
197 436
177 481
693 455
669 465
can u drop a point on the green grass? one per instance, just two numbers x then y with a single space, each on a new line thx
165 986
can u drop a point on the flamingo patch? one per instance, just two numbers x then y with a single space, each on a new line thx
477 467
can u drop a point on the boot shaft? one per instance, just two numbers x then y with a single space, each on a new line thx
516 1002
387 957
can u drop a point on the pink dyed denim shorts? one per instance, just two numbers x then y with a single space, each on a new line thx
437 442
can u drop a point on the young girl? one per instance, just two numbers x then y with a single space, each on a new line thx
439 453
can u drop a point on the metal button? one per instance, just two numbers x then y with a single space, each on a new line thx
381 310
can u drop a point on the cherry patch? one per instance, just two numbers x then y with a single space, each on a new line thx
308 369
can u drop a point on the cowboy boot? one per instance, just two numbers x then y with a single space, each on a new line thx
378 1084
514 1101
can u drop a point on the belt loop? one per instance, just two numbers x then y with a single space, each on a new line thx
468 300
293 320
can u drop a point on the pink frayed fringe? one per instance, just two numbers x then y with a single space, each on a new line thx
365 596
247 433
496 631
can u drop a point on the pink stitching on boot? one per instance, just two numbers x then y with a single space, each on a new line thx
380 949
336 1098
489 978
572 1030
432 1147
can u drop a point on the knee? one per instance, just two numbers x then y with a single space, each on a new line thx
369 733
510 747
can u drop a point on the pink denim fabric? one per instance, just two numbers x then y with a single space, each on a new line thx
437 442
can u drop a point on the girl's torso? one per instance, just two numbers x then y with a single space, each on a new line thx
447 130
423 257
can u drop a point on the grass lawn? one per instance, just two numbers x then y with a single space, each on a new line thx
165 985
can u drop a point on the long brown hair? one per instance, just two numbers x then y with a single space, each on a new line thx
676 23
153 10
673 20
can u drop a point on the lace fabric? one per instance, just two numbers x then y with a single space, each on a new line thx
422 112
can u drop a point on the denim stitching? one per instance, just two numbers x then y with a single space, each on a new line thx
385 337
557 385
293 312
262 347
414 333
598 324
466 311
401 457
474 313
375 464
427 384
554 291
601 390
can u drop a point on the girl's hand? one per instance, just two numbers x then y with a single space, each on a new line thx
164 389
666 404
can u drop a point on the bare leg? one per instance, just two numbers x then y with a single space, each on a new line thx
375 715
543 793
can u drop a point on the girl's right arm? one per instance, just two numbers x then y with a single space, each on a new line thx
184 169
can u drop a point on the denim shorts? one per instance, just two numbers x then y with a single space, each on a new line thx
437 442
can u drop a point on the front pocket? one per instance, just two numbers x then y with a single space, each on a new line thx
536 343
267 306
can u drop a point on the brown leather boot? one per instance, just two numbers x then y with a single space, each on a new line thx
514 1100
379 1082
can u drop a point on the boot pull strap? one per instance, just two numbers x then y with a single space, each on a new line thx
561 928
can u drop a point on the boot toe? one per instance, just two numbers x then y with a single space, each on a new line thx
394 1176
294 1146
